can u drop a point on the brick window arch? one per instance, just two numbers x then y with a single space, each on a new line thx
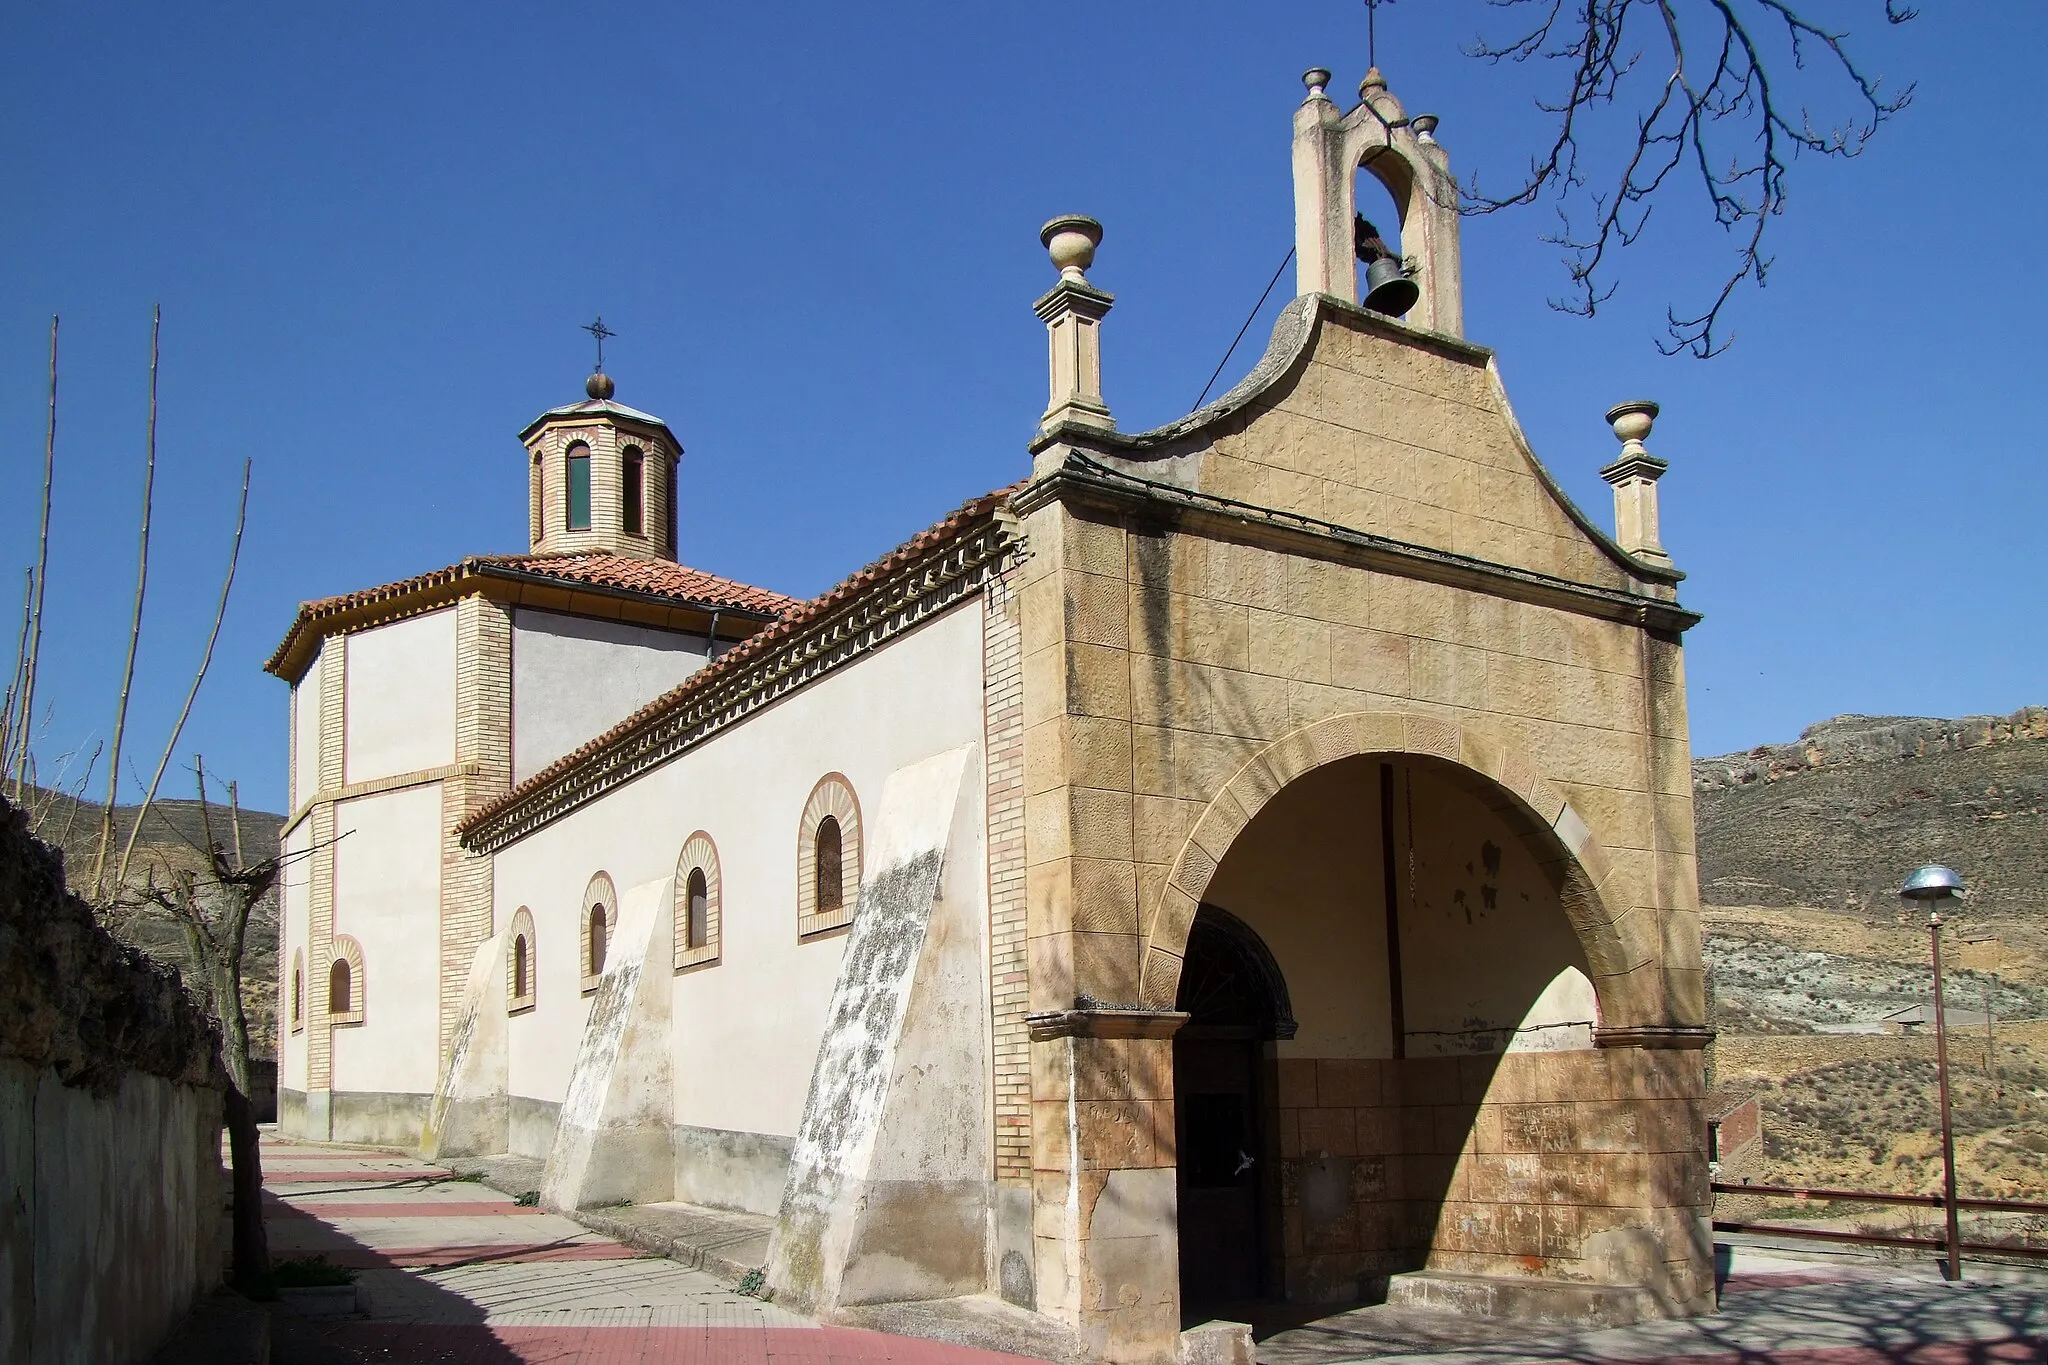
600 921
298 989
828 842
521 968
347 985
697 902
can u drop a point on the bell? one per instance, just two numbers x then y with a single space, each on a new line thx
1388 289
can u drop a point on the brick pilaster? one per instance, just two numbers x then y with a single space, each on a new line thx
1009 981
483 762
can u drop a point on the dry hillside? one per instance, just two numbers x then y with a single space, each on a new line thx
172 838
1802 847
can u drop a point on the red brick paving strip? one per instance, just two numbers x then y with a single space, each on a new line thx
421 1209
475 1345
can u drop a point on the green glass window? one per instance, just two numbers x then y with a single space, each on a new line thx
631 471
579 487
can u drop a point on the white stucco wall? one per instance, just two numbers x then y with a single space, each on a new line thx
746 1030
400 712
387 895
295 880
305 737
574 678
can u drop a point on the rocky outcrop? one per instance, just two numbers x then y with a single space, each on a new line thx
1851 739
1835 820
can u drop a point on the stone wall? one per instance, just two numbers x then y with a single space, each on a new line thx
110 1116
1578 1166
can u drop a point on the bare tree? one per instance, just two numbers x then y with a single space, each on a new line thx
212 903
18 731
220 611
99 865
1713 90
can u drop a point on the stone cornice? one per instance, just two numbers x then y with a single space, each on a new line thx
1082 481
727 692
1105 1023
377 786
1677 1037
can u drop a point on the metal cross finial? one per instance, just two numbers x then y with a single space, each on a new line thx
600 331
1372 46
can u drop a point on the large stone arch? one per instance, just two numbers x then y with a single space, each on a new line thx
1597 895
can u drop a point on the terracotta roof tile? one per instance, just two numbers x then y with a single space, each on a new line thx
651 577
659 576
969 515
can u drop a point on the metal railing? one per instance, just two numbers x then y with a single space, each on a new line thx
1932 1201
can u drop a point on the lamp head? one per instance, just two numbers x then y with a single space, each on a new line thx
1933 886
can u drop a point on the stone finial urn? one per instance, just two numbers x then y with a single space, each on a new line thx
1071 241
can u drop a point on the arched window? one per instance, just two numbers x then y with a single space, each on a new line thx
298 991
341 998
600 916
828 857
697 920
696 909
669 505
577 486
520 966
826 868
632 479
345 982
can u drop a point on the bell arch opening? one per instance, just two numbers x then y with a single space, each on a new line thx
1383 986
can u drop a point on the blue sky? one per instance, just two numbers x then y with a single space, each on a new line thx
376 228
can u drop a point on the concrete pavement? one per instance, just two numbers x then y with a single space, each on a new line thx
452 1271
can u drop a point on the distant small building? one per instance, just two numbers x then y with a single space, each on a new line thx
1735 1129
1916 1017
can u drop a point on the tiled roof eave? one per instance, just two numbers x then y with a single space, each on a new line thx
412 596
928 574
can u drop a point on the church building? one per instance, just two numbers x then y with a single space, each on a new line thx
1246 860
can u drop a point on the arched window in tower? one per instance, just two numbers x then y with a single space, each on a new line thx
341 995
827 864
596 940
577 487
633 481
520 984
669 506
298 991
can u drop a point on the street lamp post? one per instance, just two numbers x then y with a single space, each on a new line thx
1936 886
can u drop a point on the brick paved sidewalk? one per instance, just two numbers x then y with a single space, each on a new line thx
452 1271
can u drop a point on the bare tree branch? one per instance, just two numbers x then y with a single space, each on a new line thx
1726 120
220 611
42 571
8 706
99 866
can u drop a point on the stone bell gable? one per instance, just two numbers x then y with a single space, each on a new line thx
1333 667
